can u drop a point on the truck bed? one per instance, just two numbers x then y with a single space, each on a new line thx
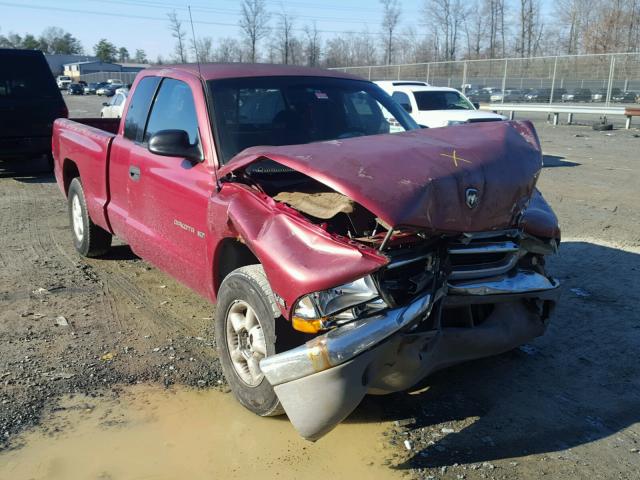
85 144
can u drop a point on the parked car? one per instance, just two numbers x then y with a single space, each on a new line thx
624 97
29 103
438 106
114 107
543 95
75 89
108 89
509 96
63 81
601 95
92 87
479 96
577 95
343 258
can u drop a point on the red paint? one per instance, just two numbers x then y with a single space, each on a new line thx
176 217
415 179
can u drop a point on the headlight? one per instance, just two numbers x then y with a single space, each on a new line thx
456 122
320 310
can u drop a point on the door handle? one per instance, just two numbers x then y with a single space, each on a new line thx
134 173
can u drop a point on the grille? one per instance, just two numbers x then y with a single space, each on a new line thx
480 259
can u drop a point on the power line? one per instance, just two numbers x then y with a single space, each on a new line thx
163 19
219 11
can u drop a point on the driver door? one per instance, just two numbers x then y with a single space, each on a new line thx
168 196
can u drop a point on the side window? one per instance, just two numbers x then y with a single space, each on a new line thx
139 108
403 99
173 109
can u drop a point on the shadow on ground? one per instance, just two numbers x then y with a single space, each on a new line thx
552 161
577 384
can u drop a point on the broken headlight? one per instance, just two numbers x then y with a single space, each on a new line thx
321 310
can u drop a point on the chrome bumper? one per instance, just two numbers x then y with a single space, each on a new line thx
321 382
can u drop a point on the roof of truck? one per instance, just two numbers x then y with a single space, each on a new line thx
215 71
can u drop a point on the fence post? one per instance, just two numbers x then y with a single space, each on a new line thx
369 73
464 76
428 68
504 78
553 80
612 68
398 72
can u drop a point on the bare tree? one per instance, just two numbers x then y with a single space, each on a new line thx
474 29
254 23
530 28
445 17
177 32
203 49
312 45
390 21
228 51
284 38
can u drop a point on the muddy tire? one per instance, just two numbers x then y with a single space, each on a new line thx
89 239
245 332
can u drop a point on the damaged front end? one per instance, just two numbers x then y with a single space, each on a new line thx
392 264
486 295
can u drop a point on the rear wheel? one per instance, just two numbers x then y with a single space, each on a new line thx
245 334
89 239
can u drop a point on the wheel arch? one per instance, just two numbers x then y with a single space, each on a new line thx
230 255
69 172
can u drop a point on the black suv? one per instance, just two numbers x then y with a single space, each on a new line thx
29 103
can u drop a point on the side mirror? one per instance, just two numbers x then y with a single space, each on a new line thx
174 143
476 105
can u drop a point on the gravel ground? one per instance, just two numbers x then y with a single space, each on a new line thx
566 406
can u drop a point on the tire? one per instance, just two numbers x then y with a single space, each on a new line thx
602 127
89 239
243 289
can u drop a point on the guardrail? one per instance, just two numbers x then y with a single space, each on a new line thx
557 109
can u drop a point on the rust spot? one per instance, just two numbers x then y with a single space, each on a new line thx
318 354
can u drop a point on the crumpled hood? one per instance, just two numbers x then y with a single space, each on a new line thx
424 178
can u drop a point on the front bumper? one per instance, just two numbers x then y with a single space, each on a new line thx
321 382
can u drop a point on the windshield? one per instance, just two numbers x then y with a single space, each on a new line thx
294 110
443 100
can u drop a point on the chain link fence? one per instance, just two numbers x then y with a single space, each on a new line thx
98 77
603 78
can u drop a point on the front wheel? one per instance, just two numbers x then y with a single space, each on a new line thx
245 333
89 239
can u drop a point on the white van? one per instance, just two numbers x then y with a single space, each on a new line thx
63 81
436 106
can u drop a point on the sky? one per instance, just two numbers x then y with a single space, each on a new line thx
143 23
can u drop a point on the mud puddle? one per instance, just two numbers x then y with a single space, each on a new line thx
150 433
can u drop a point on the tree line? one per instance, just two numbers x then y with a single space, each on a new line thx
54 40
443 30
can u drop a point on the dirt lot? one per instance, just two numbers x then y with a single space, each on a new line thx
565 406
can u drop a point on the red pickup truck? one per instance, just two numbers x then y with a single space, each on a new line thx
348 250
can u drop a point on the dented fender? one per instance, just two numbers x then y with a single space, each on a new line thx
298 257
